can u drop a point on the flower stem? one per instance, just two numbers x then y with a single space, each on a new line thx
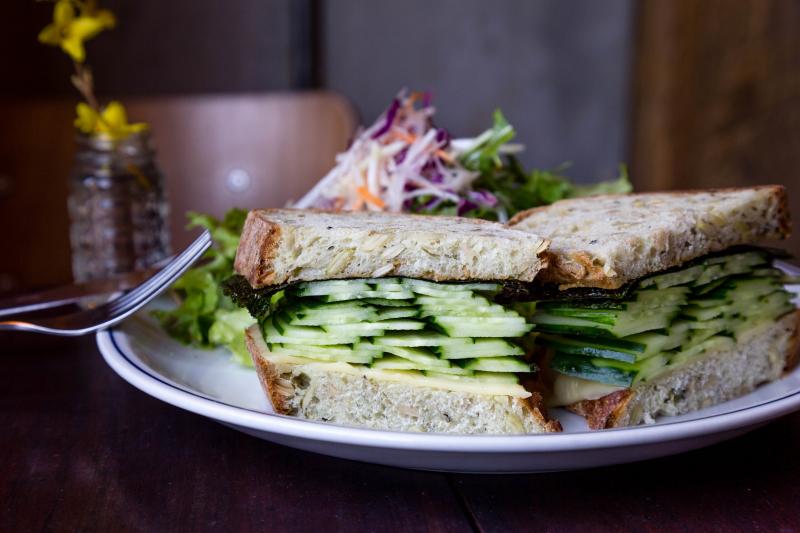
84 83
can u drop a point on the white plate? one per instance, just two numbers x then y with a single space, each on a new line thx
210 384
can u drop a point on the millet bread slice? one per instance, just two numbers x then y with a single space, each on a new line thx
350 395
762 355
607 241
284 245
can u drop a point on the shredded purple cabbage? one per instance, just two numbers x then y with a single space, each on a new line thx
443 137
391 113
464 206
432 203
401 155
430 171
483 197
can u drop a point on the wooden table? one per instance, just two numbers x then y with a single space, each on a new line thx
80 449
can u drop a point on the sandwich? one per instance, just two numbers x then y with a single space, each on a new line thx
657 304
390 321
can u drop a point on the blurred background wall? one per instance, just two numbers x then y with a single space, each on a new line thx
558 70
690 93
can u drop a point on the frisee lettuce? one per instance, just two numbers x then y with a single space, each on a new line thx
515 189
204 316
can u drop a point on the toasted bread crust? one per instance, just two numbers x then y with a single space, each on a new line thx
614 410
603 412
534 404
279 390
793 353
606 241
285 245
258 246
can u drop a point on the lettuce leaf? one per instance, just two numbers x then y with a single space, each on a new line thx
516 189
228 330
204 316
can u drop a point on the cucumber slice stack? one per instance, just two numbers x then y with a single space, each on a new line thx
450 331
668 320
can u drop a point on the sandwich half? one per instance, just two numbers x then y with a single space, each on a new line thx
390 321
656 307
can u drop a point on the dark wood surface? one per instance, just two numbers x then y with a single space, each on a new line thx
80 449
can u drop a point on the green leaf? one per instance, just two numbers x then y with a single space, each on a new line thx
202 303
228 330
484 156
621 185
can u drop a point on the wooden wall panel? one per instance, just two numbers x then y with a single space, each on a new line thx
717 96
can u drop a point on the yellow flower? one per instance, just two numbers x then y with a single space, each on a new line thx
70 31
111 122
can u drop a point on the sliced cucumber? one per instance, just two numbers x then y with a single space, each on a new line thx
397 312
452 370
607 370
402 325
318 317
624 325
371 329
660 297
383 295
415 284
443 294
390 324
422 338
479 348
456 326
389 285
671 279
385 302
586 346
582 367
393 362
344 353
701 335
704 313
320 288
714 343
456 310
417 355
478 377
303 335
497 364
398 363
473 301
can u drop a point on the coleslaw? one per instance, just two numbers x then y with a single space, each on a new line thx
403 162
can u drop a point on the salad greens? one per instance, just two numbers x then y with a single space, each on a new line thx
204 316
403 162
514 189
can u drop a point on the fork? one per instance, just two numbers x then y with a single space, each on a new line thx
112 312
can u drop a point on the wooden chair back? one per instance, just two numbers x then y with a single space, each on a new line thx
216 152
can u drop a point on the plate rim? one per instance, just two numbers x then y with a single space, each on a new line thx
149 381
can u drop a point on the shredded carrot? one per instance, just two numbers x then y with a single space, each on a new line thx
365 195
444 155
403 136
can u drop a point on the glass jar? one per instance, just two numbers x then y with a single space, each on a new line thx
117 207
